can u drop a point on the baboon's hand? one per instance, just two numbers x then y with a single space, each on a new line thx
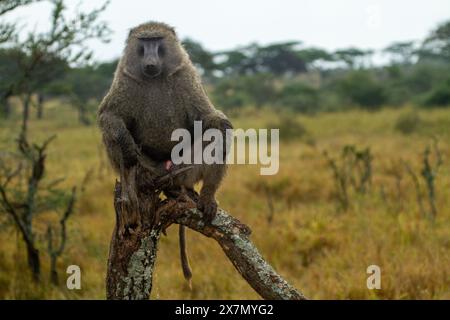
208 206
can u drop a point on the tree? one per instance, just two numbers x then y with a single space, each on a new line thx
237 62
202 58
7 34
63 44
437 44
9 75
85 87
23 195
7 30
233 92
312 57
352 57
403 53
64 41
133 253
278 58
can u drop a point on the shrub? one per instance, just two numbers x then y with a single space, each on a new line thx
439 96
299 97
362 89
290 128
408 123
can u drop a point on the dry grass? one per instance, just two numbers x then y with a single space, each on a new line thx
323 251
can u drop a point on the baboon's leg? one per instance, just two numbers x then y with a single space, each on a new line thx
212 177
212 174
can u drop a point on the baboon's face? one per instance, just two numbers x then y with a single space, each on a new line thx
151 52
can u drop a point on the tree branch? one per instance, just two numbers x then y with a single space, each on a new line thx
133 254
234 239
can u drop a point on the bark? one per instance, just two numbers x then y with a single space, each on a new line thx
5 108
133 252
40 106
34 262
26 113
53 271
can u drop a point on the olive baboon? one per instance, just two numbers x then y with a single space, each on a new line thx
156 90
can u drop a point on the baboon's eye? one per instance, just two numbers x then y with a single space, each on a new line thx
161 51
141 50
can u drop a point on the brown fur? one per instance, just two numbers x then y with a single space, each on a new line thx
138 114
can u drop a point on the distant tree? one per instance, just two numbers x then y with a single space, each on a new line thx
239 61
352 57
278 59
402 53
7 30
202 58
227 95
312 57
48 73
437 44
85 87
10 72
237 91
107 69
64 41
259 88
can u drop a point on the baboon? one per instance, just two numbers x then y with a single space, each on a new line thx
156 90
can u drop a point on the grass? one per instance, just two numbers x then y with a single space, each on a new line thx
320 249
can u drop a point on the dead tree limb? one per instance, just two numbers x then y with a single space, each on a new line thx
55 252
133 254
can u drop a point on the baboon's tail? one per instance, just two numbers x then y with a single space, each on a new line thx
187 272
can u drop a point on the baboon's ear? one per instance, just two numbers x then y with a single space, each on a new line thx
172 29
130 33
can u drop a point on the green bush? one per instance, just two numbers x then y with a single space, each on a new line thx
257 90
290 128
299 97
439 96
361 88
408 123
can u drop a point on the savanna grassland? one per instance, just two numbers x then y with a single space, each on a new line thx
309 238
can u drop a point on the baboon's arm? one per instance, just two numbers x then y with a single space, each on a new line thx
118 140
205 111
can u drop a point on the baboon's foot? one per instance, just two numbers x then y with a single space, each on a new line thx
173 192
209 208
191 193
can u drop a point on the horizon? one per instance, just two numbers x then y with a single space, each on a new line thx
370 25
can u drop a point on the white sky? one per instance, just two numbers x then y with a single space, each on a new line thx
226 24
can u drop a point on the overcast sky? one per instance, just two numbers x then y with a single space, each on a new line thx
226 24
